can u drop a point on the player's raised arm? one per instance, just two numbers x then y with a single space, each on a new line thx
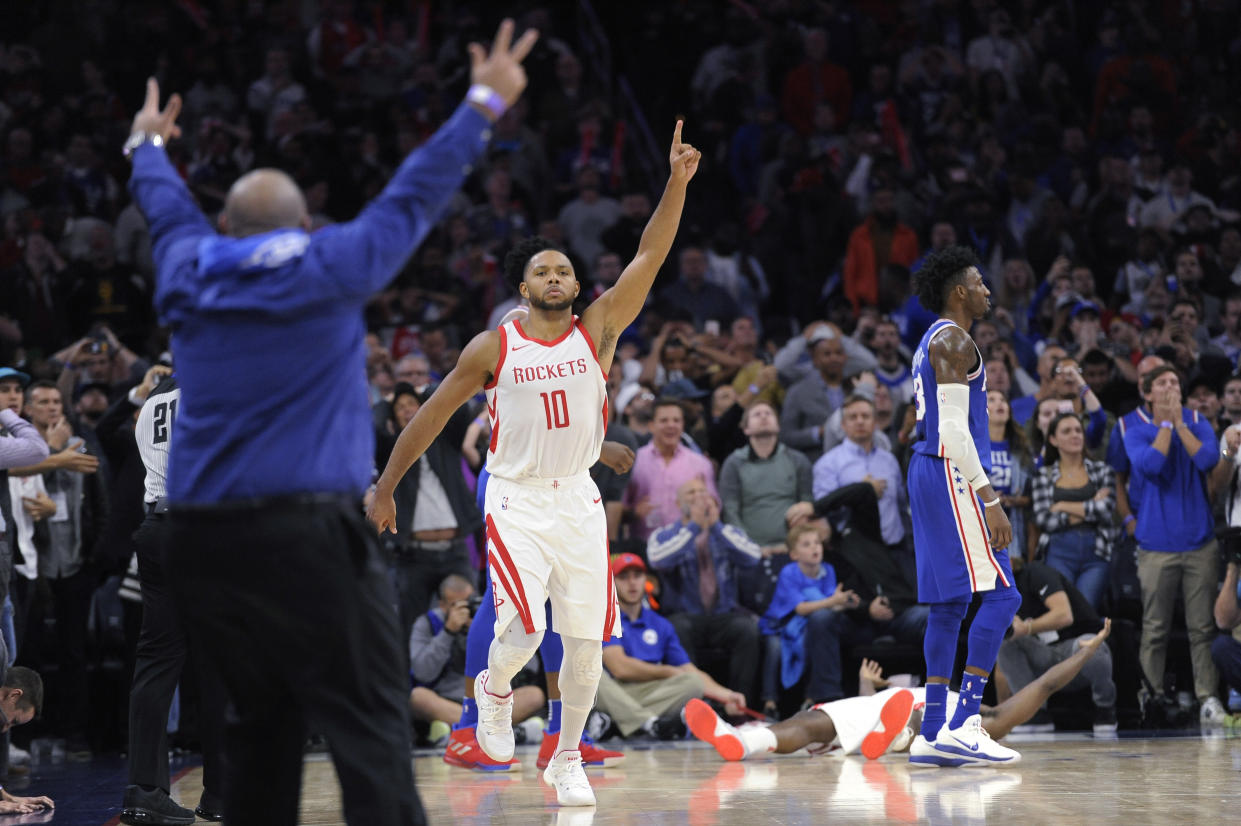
616 309
952 354
473 370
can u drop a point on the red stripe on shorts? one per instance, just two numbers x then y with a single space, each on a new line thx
502 562
969 562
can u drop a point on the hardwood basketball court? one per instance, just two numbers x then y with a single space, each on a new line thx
1062 779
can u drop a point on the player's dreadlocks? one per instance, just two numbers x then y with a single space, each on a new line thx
942 270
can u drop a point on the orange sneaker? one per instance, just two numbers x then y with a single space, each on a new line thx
592 754
462 750
893 717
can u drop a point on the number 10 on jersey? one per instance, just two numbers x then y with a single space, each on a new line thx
556 406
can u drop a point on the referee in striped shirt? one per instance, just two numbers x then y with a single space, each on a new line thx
161 649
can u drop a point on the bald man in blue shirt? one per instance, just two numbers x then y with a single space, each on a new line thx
278 575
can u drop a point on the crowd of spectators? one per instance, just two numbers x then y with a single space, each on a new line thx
1088 153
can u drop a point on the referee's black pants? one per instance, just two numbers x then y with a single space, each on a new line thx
292 603
159 661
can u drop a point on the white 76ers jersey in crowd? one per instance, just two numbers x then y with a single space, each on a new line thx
548 405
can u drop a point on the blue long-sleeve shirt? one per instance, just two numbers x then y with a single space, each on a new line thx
268 330
1174 512
672 552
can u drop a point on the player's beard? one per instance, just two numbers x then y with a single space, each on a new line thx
552 306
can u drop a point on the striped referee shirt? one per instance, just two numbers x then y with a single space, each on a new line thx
154 434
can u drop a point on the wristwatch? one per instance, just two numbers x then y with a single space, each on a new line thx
138 138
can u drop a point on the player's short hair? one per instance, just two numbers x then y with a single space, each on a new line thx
31 685
519 257
941 270
1148 381
795 533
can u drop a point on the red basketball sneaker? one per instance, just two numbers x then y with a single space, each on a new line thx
892 720
462 750
592 754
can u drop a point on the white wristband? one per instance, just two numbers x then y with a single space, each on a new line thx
992 503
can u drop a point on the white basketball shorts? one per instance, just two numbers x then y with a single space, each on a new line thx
547 539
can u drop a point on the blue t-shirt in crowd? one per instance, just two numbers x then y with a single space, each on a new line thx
650 638
793 587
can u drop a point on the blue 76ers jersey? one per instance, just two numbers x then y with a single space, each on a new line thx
926 401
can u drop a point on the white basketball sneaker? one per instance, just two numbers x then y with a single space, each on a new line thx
495 721
972 742
565 774
923 752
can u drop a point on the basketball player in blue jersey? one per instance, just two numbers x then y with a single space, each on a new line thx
961 533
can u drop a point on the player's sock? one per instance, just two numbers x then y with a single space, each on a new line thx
758 739
934 715
939 646
553 717
972 686
469 714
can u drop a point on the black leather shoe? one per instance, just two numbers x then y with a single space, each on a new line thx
210 807
207 814
153 808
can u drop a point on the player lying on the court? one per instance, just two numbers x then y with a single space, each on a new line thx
877 723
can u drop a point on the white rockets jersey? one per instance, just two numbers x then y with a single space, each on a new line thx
548 405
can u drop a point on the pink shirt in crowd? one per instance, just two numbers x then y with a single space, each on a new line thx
657 479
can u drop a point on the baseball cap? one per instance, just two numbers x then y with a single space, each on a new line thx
823 332
1084 307
683 389
9 372
625 561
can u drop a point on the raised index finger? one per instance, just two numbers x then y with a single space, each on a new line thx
676 133
152 100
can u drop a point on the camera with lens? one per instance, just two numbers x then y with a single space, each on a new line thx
472 603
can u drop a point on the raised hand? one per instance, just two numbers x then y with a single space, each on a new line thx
870 672
501 69
154 121
683 157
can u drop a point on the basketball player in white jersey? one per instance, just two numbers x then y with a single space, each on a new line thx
545 382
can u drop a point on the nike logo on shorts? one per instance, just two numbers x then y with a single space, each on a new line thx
596 501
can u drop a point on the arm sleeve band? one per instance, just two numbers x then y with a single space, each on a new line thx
954 433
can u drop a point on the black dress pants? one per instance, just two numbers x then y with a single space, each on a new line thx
158 664
292 604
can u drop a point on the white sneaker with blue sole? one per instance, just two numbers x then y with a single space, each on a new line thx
972 742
